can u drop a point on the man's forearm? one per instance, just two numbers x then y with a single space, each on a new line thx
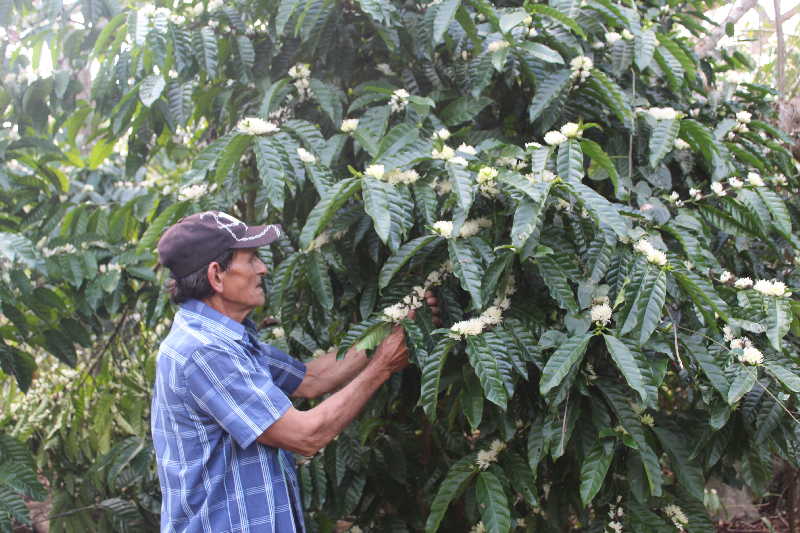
326 373
306 432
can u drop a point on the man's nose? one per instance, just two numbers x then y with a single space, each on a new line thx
261 267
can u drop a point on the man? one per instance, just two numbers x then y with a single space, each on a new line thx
222 421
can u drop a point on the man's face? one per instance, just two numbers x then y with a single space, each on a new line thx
242 286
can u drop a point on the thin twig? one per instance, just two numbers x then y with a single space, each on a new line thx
788 412
675 334
564 423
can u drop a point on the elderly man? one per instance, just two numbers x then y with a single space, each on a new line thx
222 422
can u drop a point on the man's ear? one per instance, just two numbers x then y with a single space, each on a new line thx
214 274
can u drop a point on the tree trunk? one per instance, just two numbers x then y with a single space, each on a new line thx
705 46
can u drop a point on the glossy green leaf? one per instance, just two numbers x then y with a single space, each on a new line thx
488 369
450 488
494 503
325 209
562 360
593 471
468 268
742 384
626 364
570 160
431 369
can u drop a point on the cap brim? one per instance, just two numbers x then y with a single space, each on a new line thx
257 236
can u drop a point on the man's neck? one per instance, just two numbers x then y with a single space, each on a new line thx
234 312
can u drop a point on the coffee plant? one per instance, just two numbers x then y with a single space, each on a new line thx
607 223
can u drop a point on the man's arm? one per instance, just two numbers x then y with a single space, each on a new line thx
306 432
326 373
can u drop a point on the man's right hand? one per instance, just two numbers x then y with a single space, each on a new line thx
392 352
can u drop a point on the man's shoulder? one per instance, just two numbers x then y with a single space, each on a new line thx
191 337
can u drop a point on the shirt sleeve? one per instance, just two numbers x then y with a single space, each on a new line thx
244 400
287 372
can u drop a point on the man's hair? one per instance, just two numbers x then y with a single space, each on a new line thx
196 285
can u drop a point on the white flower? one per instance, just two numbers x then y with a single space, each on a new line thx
657 257
754 179
473 326
306 156
300 71
443 187
554 138
674 196
479 527
680 144
443 228
256 126
485 458
497 446
627 35
349 125
375 171
697 194
751 356
725 277
486 174
770 288
743 283
581 63
193 192
744 117
780 179
399 100
718 189
148 10
532 146
492 316
278 333
612 37
601 313
677 515
443 134
406 176
213 5
727 333
445 153
88 187
494 46
597 45
735 182
319 241
570 130
467 149
663 113
647 420
396 312
737 344
385 69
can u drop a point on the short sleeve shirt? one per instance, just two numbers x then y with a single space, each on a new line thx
218 388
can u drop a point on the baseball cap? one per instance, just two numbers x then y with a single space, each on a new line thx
197 239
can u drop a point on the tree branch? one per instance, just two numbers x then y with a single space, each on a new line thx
705 46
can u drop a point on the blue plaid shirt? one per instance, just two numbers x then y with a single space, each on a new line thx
217 389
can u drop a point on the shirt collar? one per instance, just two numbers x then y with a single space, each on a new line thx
229 327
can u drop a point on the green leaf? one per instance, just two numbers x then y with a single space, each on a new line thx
777 208
381 12
599 156
742 383
376 203
468 268
711 368
324 210
570 160
401 257
487 368
662 139
320 280
463 109
536 444
563 359
205 43
557 283
167 217
701 291
151 88
494 504
542 52
231 155
270 168
654 294
553 13
608 92
790 380
626 364
431 369
549 91
645 46
329 98
451 488
464 185
594 470
689 473
779 320
373 336
445 14
602 211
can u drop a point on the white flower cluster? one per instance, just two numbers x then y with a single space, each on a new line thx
487 457
743 118
655 256
468 229
675 198
468 149
399 100
490 317
601 313
349 125
735 182
63 249
442 186
627 35
375 171
384 69
487 181
718 189
400 310
278 333
612 37
478 528
256 126
111 267
676 514
446 153
193 192
496 46
306 156
322 239
392 177
664 113
680 144
754 179
615 514
441 135
301 74
771 288
554 138
581 68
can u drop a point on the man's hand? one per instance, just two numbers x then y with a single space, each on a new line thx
433 303
392 352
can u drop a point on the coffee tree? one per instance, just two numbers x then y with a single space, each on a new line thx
608 225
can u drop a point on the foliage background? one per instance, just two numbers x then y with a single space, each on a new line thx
139 124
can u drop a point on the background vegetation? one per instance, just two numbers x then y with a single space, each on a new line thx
592 201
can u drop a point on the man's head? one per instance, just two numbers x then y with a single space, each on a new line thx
213 253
